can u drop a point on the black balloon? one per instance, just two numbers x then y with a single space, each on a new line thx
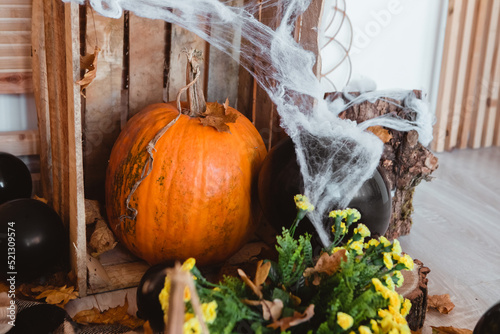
15 178
32 239
148 291
489 323
39 319
280 180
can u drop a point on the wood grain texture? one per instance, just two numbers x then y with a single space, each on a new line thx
40 90
476 68
448 73
103 107
77 227
14 10
466 36
180 40
146 62
20 142
57 96
456 234
223 68
22 50
486 86
16 83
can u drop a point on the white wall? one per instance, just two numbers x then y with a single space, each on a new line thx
17 112
397 43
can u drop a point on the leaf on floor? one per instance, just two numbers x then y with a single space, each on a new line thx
117 315
58 296
450 330
442 303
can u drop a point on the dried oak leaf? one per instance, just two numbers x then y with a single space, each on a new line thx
116 315
450 330
102 239
260 277
270 309
442 303
58 296
217 116
296 319
328 264
88 63
380 132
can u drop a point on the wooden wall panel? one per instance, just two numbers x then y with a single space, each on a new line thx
467 110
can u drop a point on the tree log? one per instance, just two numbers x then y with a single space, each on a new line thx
414 288
405 161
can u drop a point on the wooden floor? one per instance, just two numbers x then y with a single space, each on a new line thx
456 233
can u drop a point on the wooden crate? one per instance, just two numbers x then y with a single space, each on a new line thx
140 63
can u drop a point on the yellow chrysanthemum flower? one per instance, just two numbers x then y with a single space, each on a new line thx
343 228
389 282
336 249
191 326
353 212
362 230
372 242
337 213
406 307
188 264
165 294
400 278
364 330
344 320
209 311
407 261
388 260
357 246
396 247
302 203
384 241
374 326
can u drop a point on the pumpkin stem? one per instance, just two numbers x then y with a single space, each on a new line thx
195 97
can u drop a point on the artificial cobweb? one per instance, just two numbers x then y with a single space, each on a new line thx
285 71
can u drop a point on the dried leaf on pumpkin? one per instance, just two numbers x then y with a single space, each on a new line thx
328 264
450 330
58 296
260 277
217 116
380 132
296 319
442 303
116 315
88 63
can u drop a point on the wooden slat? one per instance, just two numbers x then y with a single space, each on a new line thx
146 62
15 63
103 105
181 39
493 106
12 24
476 67
15 37
123 275
16 83
15 50
20 142
57 93
466 37
77 226
223 69
16 2
15 11
483 96
449 73
40 89
309 36
245 97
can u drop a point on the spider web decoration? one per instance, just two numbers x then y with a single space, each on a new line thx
335 156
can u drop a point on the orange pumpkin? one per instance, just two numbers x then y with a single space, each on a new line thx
198 200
